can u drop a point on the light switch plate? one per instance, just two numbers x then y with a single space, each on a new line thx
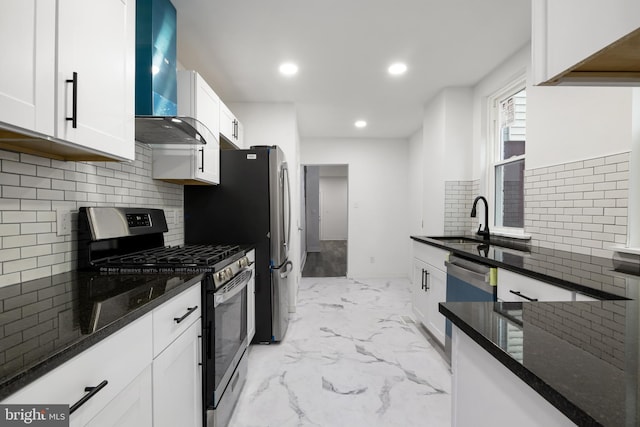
63 223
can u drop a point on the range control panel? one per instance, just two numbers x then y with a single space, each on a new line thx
139 220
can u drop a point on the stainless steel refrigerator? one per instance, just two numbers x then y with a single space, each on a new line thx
251 205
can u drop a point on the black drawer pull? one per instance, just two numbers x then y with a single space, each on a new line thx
522 296
91 391
189 311
74 108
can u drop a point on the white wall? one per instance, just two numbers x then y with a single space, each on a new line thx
378 200
414 212
447 144
333 205
564 124
276 124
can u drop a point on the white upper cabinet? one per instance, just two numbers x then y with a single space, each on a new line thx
586 42
230 127
27 72
196 99
73 81
192 164
96 41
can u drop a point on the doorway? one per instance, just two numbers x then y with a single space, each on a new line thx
326 220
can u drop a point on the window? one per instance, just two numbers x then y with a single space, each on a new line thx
507 169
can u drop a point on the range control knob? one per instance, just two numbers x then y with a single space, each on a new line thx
228 273
243 262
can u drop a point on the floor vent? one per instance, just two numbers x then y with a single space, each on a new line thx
407 319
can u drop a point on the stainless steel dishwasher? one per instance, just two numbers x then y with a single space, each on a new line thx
468 281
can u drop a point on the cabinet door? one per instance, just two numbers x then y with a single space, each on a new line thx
240 135
131 408
27 43
96 40
567 32
207 167
436 293
118 360
420 300
177 382
227 123
519 288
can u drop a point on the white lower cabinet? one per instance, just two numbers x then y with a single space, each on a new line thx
118 359
150 370
518 288
131 408
485 393
177 361
429 287
177 382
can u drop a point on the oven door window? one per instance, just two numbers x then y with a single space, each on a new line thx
230 333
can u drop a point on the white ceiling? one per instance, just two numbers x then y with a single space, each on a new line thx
343 48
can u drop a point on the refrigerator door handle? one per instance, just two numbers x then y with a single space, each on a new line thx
285 172
287 267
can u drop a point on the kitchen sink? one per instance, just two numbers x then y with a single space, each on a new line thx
455 239
504 245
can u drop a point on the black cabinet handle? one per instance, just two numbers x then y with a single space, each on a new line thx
202 158
74 107
521 295
91 391
189 311
426 282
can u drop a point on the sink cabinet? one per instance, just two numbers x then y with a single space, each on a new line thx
429 287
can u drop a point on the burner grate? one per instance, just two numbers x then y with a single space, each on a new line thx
177 256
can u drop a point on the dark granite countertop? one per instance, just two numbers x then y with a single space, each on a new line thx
45 322
582 357
590 275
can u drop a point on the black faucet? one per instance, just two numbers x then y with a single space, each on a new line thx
484 233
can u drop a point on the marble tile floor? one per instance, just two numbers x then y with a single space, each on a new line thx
349 358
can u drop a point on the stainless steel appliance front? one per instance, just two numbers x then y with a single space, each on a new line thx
226 343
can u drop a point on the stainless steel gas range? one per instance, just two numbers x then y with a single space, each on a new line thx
131 241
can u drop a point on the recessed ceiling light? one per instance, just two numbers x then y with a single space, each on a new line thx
397 69
360 124
288 68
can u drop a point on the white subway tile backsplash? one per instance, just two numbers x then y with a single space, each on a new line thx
9 166
34 189
9 192
587 197
18 217
50 194
9 179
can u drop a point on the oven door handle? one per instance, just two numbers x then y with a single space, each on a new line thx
222 297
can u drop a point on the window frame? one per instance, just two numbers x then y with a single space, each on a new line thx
493 152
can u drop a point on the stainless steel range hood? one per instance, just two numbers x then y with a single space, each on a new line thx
156 85
171 130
